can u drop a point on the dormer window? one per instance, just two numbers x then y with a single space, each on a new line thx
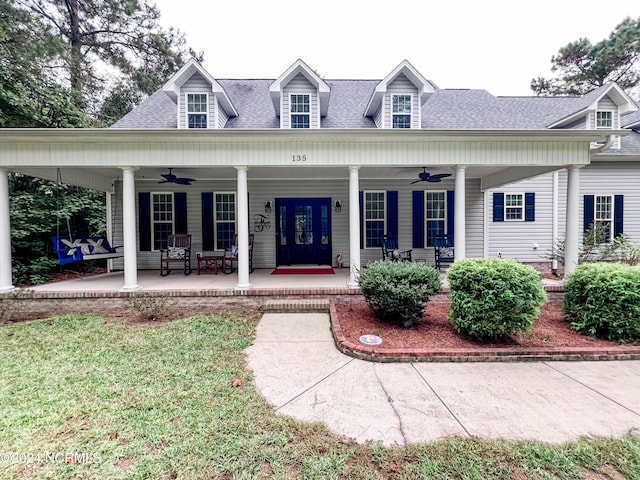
300 111
197 110
401 111
604 119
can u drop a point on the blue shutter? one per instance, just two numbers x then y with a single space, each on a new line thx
392 213
418 219
450 213
529 207
498 207
361 198
588 211
208 241
618 207
144 220
180 206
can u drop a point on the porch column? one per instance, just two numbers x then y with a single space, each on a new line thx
354 226
129 230
243 229
459 214
6 275
571 247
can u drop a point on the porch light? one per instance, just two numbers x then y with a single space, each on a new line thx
267 206
338 206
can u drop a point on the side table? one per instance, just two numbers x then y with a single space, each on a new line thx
210 263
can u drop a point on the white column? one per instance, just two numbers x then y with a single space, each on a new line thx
554 222
354 226
571 247
129 236
459 215
6 274
243 230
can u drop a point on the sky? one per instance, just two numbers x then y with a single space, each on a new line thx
496 45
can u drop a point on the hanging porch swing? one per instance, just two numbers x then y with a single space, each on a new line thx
70 249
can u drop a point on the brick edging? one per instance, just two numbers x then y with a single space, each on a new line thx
504 354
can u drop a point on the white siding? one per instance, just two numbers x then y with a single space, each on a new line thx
197 84
299 84
264 255
401 85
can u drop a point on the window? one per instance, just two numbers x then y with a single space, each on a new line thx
374 218
300 111
225 219
401 111
436 215
514 207
602 216
197 110
604 119
161 219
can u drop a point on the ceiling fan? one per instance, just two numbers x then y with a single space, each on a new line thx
171 178
427 177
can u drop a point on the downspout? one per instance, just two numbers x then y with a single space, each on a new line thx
603 147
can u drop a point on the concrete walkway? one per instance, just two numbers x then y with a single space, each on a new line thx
300 372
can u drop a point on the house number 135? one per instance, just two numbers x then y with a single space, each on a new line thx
298 158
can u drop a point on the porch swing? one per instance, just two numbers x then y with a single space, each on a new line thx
81 248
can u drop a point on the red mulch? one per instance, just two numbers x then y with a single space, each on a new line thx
551 330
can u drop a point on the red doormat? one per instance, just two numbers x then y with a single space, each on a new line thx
303 271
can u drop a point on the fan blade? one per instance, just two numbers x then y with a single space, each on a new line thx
438 177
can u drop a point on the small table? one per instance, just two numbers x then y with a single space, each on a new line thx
210 263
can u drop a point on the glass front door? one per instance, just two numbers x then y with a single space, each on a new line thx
304 231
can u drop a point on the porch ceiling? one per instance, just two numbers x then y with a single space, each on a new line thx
102 178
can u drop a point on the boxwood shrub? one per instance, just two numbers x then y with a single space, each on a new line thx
397 291
494 298
603 300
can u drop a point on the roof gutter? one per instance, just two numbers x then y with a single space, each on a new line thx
605 146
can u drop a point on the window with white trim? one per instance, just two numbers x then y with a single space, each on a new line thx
604 119
161 219
514 207
300 106
375 207
436 215
602 216
401 109
197 110
225 219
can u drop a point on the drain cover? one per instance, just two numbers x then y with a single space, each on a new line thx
370 339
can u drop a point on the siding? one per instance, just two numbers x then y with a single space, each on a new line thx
197 84
264 254
299 84
402 85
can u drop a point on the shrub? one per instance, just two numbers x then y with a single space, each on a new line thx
493 298
397 291
603 300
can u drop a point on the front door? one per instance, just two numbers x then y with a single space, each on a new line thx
303 231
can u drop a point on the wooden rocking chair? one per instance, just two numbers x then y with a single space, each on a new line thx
178 251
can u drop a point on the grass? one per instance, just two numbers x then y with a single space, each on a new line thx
132 401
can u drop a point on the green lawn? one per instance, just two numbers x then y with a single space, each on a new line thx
136 401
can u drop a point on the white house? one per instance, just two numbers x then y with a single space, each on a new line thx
315 168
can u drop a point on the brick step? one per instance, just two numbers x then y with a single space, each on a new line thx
296 305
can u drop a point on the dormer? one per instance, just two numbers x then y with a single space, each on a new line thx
397 100
601 109
201 100
300 97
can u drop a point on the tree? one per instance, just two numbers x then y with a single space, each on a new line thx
113 46
28 96
582 66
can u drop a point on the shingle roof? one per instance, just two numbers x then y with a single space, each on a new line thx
157 111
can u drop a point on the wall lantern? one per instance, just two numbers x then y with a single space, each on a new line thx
338 206
267 206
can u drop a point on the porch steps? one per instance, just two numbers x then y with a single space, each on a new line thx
296 305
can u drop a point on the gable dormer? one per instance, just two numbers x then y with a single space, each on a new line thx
300 97
397 100
600 109
201 100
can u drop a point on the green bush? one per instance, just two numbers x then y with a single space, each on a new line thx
397 291
603 300
494 298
